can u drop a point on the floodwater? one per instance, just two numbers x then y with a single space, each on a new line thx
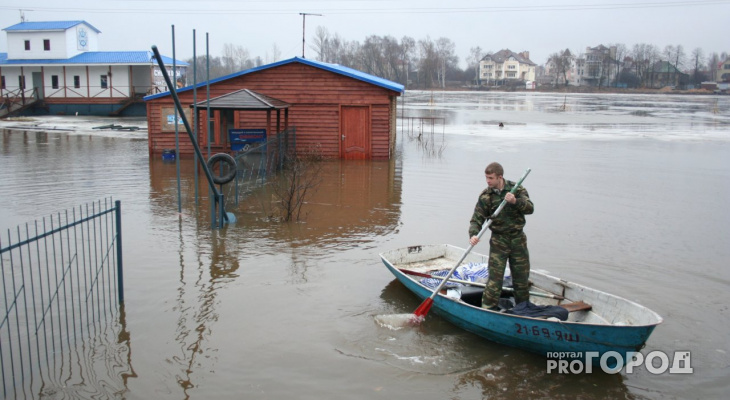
630 194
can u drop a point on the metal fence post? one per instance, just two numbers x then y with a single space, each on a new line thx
120 270
278 145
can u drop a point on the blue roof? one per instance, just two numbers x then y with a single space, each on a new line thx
95 57
336 68
47 26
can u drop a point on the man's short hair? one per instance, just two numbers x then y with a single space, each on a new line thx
494 168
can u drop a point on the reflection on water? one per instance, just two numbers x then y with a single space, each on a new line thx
96 363
196 305
515 378
356 201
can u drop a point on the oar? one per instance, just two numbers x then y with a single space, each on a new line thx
477 284
423 309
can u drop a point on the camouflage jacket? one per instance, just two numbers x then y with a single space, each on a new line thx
512 217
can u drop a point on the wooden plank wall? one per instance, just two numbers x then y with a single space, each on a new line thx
315 95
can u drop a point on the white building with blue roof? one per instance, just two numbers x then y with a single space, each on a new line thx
55 67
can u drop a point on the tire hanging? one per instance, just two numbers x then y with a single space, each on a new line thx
226 159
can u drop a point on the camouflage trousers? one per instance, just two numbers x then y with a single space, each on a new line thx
503 248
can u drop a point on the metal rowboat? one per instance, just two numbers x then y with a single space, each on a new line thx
611 324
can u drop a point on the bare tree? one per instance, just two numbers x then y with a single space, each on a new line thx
447 58
713 60
698 56
675 56
217 69
620 55
235 58
407 55
275 54
300 178
560 63
321 43
475 57
428 63
645 57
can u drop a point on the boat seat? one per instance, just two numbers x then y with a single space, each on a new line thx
577 306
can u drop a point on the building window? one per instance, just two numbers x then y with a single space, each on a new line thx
77 81
511 74
27 45
511 67
2 82
47 44
54 81
21 82
104 83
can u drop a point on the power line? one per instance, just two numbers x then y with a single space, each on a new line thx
401 10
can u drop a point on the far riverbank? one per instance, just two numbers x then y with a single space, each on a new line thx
575 89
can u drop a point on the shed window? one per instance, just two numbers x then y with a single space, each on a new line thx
21 82
104 83
2 82
27 45
54 81
47 44
77 81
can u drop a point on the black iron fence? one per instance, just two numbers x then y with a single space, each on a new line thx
62 287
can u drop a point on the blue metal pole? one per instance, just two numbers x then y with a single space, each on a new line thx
177 136
221 210
195 112
120 269
207 122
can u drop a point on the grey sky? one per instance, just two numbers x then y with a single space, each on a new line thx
540 27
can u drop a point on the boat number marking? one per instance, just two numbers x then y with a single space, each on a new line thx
535 330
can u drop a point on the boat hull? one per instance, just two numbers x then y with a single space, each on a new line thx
533 334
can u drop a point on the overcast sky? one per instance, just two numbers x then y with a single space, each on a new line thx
540 27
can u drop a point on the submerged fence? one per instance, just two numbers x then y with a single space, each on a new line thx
61 285
261 160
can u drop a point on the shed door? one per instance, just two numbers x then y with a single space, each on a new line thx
355 132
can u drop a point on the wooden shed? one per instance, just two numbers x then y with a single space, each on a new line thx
342 112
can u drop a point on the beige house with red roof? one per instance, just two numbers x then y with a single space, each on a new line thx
505 66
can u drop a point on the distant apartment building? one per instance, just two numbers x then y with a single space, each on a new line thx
597 67
506 66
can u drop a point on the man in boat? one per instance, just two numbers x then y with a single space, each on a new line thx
508 241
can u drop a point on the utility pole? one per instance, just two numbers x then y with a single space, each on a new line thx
304 18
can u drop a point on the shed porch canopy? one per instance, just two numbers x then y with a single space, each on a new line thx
243 99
